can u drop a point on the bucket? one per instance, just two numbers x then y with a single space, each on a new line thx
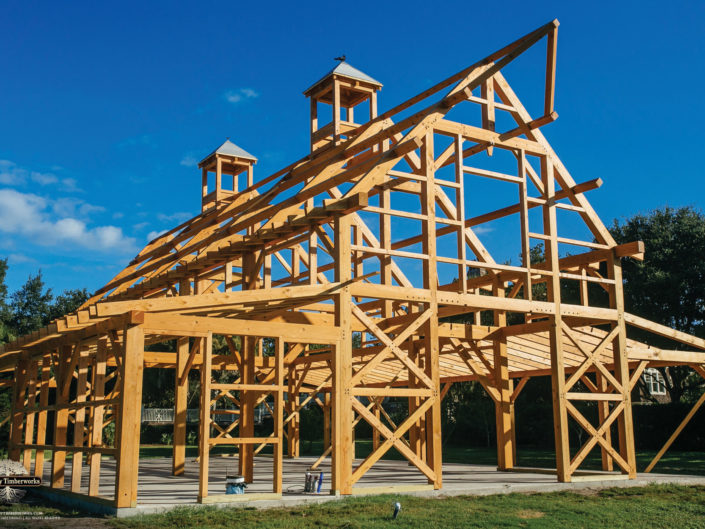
235 485
313 482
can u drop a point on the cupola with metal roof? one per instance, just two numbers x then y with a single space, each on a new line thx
343 88
228 160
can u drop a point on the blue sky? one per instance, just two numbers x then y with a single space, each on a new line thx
106 107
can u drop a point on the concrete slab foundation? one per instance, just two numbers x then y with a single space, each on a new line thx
160 491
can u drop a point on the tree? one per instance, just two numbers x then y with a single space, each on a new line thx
5 335
30 306
668 286
67 302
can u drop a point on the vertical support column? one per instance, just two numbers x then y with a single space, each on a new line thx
98 391
553 290
512 422
295 266
625 423
292 433
279 414
375 431
313 258
603 411
336 112
247 376
61 416
326 420
128 435
267 272
29 417
415 441
181 391
503 406
247 409
228 276
373 106
342 365
205 419
524 224
218 179
314 119
204 188
460 214
18 411
431 342
79 421
42 417
180 405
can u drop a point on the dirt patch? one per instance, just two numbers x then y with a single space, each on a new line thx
528 514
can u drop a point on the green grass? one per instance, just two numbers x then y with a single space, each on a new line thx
655 506
652 507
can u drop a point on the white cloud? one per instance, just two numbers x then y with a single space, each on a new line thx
12 174
189 161
43 179
16 258
235 96
34 217
140 226
179 217
480 230
70 185
154 234
74 207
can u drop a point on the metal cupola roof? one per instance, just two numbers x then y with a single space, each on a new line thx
345 69
228 148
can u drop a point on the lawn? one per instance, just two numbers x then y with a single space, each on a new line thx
656 506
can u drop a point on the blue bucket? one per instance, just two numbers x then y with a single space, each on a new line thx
235 485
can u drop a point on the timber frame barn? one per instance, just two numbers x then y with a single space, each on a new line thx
288 268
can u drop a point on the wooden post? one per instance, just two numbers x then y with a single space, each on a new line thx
279 414
247 376
42 416
415 441
180 405
625 425
314 119
292 432
205 420
100 368
181 393
218 179
247 409
375 431
342 438
79 421
18 397
326 420
336 111
431 343
503 406
512 423
61 416
130 408
603 411
29 416
560 413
